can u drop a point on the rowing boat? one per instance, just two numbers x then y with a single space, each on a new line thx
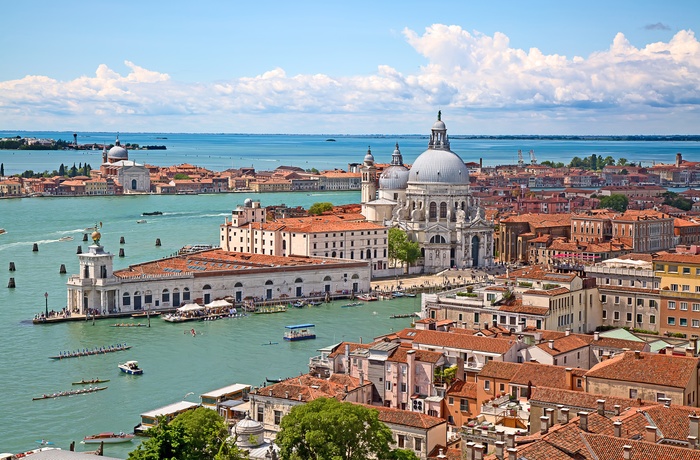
89 382
94 351
69 393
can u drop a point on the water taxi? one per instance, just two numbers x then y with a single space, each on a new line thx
108 438
131 368
66 238
367 297
300 332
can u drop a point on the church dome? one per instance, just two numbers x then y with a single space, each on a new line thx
249 433
439 166
369 158
117 152
439 163
394 177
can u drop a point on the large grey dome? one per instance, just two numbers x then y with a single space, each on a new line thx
439 163
118 152
439 166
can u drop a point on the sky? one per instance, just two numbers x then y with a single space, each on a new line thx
361 67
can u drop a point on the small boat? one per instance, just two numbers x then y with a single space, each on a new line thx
271 309
108 438
2 230
94 351
66 238
269 380
154 213
398 294
351 304
82 391
145 314
141 221
366 297
131 368
409 294
299 304
90 382
315 303
128 325
300 332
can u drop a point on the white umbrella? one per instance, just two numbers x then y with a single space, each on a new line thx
219 304
190 307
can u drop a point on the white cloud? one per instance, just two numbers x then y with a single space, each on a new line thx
470 74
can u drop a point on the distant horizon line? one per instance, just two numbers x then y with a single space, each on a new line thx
684 137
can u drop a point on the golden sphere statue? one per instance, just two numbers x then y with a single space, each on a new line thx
96 236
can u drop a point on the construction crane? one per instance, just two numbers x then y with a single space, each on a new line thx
521 163
533 160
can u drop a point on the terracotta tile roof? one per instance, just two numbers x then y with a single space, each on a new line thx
463 341
651 368
399 356
678 258
548 293
220 261
526 309
462 389
582 401
340 350
671 421
563 345
306 388
406 418
499 370
610 342
543 375
611 448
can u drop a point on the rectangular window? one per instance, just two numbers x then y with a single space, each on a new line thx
685 288
603 298
261 413
674 287
278 417
476 318
629 317
696 307
684 306
464 405
616 315
639 318
686 270
451 400
660 396
388 386
487 385
652 319
617 300
673 268
417 444
403 388
401 441
696 323
605 314
671 305
633 393
671 321
683 322
502 387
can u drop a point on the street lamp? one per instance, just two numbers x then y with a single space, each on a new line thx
46 297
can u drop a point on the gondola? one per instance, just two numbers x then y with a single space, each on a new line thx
269 380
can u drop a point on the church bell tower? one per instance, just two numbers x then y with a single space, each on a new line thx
369 178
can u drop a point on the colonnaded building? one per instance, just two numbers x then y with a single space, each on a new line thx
203 277
432 203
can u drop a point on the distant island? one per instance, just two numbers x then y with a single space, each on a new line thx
32 143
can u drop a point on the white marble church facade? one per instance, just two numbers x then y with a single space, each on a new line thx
432 203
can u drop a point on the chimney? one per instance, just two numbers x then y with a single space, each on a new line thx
495 323
286 395
510 440
551 344
601 407
692 442
669 350
479 451
666 401
565 415
512 453
559 414
460 368
346 389
501 436
569 378
650 434
694 424
500 446
347 359
550 416
362 378
544 420
270 393
637 354
486 326
617 408
689 352
410 371
568 332
596 335
583 421
617 427
627 452
470 450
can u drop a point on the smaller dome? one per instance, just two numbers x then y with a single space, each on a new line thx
249 433
369 158
395 177
248 203
439 125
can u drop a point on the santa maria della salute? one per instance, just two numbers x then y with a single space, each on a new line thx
432 202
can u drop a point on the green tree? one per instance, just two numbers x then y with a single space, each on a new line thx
615 202
2 169
609 161
313 171
199 434
622 161
329 429
401 248
62 170
181 176
677 201
317 209
594 162
402 454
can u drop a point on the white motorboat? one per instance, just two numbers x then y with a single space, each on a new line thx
131 368
108 438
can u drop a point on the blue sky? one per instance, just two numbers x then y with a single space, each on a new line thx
497 67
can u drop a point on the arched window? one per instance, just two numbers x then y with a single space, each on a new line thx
206 287
165 295
333 254
443 210
369 254
326 278
133 184
126 299
238 285
298 280
355 276
269 283
432 213
437 239
186 294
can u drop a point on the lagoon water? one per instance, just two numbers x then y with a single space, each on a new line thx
223 352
